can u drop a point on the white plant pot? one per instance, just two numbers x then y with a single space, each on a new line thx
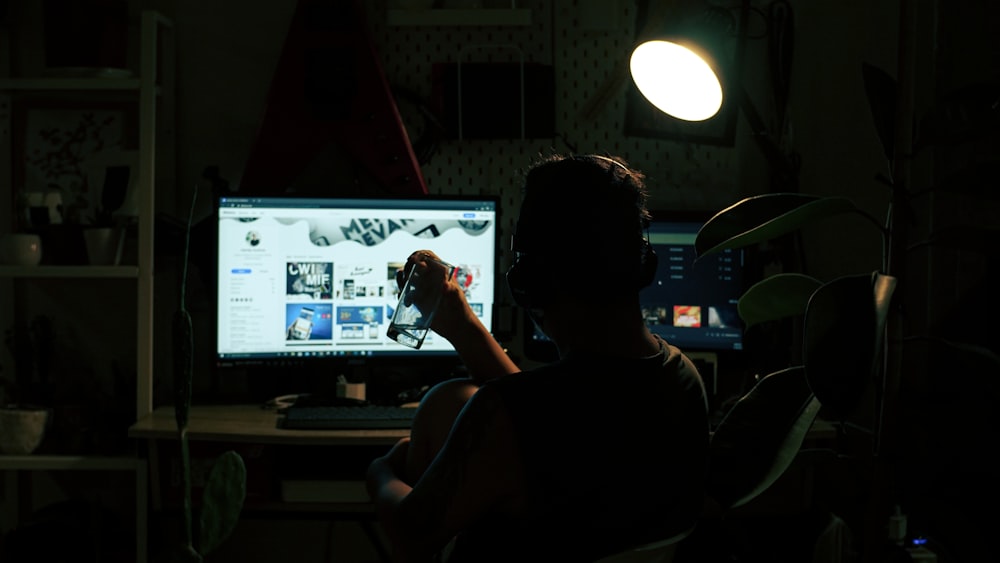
104 245
22 429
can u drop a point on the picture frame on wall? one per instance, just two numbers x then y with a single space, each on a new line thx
55 143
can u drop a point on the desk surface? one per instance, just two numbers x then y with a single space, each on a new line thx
253 424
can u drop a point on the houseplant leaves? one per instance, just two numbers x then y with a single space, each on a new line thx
765 217
760 436
222 501
843 333
777 297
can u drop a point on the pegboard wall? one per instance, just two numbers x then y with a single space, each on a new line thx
587 42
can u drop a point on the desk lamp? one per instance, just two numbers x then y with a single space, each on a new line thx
687 66
681 67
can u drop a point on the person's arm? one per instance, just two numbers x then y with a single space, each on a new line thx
481 354
477 471
457 322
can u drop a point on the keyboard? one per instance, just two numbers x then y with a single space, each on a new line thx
338 417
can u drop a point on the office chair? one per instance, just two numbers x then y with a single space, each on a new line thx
751 448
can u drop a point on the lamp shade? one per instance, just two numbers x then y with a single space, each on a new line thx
684 62
680 80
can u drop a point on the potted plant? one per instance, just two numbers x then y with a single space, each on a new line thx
23 418
105 242
854 335
225 489
55 200
112 179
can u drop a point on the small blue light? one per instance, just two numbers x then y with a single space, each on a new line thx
919 541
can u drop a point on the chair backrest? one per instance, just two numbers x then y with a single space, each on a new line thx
751 448
759 437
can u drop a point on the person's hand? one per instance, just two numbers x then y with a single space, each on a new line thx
453 312
428 266
432 273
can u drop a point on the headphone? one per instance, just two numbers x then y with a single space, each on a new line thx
527 283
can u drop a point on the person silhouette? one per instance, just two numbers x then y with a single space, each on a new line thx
599 451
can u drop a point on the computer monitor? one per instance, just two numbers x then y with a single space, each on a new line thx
691 304
311 280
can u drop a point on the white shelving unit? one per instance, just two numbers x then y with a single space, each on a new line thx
151 88
69 271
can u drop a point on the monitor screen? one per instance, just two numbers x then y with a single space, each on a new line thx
691 305
314 277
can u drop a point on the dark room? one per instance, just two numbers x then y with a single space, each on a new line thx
450 281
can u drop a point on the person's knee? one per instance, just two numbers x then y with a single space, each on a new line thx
432 423
448 396
440 406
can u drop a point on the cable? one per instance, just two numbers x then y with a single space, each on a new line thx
187 245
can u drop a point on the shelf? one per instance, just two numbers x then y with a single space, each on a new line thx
69 463
69 271
69 84
473 16
150 86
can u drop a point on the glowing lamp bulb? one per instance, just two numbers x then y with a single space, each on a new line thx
676 80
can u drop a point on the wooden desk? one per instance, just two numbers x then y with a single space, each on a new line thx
230 426
252 424
251 428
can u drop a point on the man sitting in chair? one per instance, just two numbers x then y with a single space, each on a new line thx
600 451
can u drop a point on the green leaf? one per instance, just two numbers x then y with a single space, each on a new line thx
760 436
777 297
843 334
223 499
765 217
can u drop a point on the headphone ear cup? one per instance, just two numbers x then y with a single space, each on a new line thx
523 283
648 263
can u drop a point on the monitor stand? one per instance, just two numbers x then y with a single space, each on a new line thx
708 366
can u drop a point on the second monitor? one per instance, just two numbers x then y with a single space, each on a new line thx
691 304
